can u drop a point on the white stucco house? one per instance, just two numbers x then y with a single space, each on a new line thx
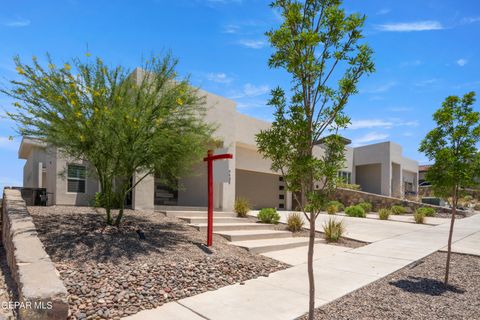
378 168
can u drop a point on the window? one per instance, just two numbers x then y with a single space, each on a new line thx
281 196
76 178
345 176
281 188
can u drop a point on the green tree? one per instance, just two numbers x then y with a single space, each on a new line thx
318 45
124 124
452 146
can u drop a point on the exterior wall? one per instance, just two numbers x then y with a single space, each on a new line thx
261 189
144 192
62 197
369 177
193 189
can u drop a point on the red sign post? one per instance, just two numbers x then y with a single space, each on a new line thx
210 158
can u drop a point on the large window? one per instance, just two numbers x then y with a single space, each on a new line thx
345 176
76 178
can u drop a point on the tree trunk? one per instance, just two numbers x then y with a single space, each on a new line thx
450 235
311 280
120 211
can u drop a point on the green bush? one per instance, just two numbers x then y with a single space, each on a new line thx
383 214
419 217
477 207
333 230
268 215
367 206
355 211
349 186
242 207
427 211
295 222
332 209
398 210
337 204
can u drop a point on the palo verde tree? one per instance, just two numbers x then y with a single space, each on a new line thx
124 124
319 46
452 146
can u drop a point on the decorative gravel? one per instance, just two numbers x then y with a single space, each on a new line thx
8 290
110 273
415 292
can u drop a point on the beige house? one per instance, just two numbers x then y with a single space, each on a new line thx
377 168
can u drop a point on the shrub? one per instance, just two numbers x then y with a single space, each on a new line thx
349 186
242 207
332 209
339 206
383 214
268 215
419 217
398 210
367 206
427 211
333 230
295 221
355 211
477 207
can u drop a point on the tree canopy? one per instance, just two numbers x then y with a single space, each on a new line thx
122 123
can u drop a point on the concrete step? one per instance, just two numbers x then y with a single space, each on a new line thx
243 235
234 226
176 214
197 220
267 245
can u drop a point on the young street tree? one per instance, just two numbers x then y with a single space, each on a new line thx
452 146
125 125
318 45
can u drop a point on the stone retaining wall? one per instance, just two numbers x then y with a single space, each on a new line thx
350 197
41 293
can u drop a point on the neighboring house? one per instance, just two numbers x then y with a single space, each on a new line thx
378 168
422 172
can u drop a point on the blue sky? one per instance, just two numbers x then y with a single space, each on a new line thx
424 51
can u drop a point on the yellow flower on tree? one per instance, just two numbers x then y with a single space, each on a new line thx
20 70
67 67
179 101
82 138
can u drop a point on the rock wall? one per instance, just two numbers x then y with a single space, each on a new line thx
42 295
350 197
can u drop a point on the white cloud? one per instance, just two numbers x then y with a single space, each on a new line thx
428 82
380 88
17 23
383 11
231 28
462 62
468 20
379 123
253 91
219 77
252 44
249 91
369 137
411 26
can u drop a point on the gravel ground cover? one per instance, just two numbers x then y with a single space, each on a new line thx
415 292
111 273
8 290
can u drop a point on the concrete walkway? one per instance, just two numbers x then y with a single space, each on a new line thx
365 230
284 294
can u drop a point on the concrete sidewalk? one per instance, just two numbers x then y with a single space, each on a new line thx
284 294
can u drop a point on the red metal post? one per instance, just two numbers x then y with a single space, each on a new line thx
210 158
210 198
